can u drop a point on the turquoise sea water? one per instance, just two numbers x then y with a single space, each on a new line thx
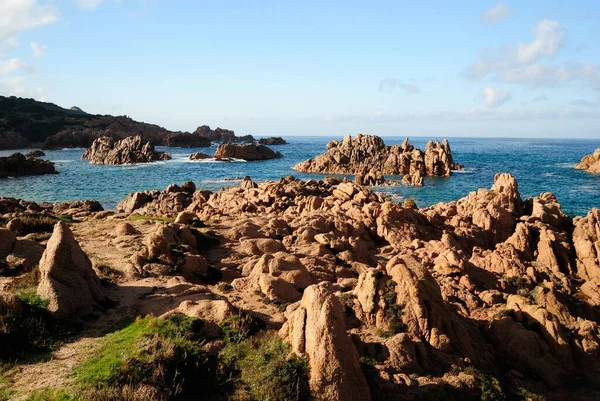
540 165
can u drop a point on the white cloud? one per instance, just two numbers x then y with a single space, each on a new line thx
389 84
19 15
38 50
549 37
497 13
540 98
494 97
12 65
520 63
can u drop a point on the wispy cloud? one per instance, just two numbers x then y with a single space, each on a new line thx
521 63
88 4
38 50
13 65
18 16
494 97
540 98
389 84
497 13
584 103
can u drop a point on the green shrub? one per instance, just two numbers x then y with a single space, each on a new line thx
259 369
163 353
240 327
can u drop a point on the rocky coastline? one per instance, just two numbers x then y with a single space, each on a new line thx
28 123
489 294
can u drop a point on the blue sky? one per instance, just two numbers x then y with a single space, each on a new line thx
428 68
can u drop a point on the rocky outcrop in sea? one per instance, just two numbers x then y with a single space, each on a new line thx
245 152
19 165
272 141
590 163
368 155
130 150
221 135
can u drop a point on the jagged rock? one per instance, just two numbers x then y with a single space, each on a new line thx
168 203
106 150
369 153
414 179
245 152
590 163
18 165
67 279
272 141
315 328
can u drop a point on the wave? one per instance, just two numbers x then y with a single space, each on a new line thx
61 161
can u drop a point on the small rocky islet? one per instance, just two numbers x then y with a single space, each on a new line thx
490 294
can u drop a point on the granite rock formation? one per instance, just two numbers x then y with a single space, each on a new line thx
130 150
590 163
18 165
245 152
368 154
67 279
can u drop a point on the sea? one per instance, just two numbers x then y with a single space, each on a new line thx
539 165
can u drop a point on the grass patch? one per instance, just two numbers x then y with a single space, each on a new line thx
163 353
30 297
258 368
31 330
52 395
137 217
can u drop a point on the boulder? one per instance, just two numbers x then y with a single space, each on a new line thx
199 156
272 141
245 152
316 329
67 279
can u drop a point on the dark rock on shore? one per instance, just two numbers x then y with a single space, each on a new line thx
272 141
245 152
130 150
18 165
